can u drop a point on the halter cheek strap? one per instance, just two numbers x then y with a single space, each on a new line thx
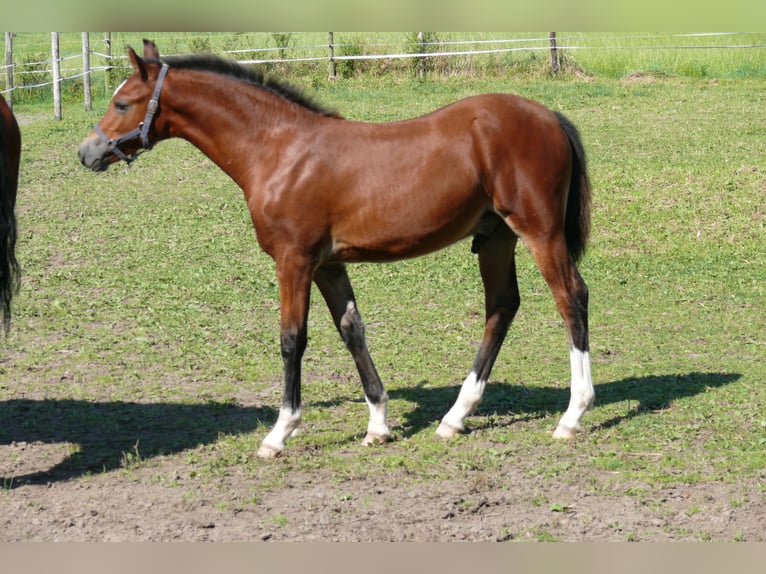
142 131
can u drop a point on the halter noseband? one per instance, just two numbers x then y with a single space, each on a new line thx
142 131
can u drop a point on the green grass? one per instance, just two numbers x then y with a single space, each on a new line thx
147 323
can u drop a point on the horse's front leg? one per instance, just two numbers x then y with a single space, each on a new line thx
335 286
294 276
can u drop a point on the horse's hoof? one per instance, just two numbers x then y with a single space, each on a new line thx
268 451
372 439
447 431
563 432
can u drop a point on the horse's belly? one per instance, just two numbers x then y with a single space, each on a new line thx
386 237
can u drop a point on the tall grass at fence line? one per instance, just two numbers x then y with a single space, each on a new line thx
617 55
303 57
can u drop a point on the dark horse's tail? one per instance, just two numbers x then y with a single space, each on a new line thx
577 224
10 147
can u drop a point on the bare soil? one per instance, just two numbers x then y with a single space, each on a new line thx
164 499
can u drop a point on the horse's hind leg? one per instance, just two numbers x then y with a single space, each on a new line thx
501 292
571 295
335 286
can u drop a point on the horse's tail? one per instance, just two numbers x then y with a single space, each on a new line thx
577 222
10 272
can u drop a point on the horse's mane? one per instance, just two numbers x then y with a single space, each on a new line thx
250 75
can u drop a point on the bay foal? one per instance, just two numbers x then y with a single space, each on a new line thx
324 191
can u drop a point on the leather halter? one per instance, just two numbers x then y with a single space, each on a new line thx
142 131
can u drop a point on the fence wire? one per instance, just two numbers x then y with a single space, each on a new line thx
295 48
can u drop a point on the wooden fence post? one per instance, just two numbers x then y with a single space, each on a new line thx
421 59
56 74
332 74
554 53
9 66
86 70
108 68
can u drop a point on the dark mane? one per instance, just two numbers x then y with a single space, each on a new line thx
250 75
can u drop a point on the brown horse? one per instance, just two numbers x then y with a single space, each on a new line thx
10 153
324 191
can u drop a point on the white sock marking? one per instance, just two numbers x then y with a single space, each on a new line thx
582 393
286 425
469 398
378 425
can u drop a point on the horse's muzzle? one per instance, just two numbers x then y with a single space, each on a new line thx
95 155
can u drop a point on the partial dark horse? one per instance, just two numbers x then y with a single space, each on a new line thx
10 153
324 191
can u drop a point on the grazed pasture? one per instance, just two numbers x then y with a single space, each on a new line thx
143 366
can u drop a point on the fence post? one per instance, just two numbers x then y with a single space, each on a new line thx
108 67
9 66
332 56
421 59
86 70
56 74
554 53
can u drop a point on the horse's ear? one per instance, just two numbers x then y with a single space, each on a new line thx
137 63
150 50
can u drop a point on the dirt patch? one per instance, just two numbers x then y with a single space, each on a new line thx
30 118
640 78
165 501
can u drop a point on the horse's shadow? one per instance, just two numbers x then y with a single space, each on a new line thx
110 435
641 394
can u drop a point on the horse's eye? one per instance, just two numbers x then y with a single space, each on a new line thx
121 107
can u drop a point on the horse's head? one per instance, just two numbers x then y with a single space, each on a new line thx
128 125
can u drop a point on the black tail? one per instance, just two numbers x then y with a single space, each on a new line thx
10 272
577 225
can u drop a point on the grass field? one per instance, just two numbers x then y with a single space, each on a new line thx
147 324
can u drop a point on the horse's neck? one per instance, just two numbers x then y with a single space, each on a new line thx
233 123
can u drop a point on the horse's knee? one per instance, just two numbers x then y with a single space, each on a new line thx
352 328
293 344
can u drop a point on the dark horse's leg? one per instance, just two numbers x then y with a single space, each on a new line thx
10 151
294 276
335 286
501 293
